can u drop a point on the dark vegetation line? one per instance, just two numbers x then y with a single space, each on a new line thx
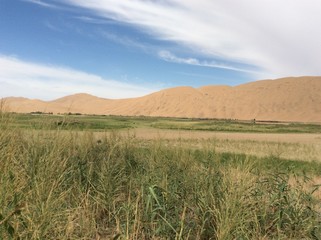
82 122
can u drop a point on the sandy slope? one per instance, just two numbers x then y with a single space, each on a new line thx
286 99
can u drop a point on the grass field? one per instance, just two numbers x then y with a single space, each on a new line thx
87 122
60 180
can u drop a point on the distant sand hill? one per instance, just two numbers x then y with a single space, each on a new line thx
286 99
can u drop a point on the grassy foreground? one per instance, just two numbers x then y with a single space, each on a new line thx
58 185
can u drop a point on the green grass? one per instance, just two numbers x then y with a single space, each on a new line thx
29 121
67 185
101 123
235 126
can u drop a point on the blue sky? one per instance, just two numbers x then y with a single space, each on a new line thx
129 48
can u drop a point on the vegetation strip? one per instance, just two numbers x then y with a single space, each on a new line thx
91 122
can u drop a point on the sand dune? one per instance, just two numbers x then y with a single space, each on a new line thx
286 99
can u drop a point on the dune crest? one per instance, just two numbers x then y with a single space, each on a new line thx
286 99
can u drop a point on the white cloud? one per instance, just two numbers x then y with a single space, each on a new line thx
170 57
126 41
41 3
282 37
52 27
26 79
93 20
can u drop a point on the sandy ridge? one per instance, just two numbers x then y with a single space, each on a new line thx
286 99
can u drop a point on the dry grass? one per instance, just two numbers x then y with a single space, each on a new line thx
305 147
67 185
293 151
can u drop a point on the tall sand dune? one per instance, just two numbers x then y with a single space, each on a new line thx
286 99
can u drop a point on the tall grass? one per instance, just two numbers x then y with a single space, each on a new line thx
58 185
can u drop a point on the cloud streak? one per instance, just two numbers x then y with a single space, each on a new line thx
27 79
170 57
41 3
282 37
93 20
126 41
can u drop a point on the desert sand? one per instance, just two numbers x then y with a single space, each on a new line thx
288 99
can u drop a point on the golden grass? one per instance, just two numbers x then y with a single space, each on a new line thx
71 185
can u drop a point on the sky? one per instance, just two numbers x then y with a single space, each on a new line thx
129 48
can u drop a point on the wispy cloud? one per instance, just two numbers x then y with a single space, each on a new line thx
94 20
127 41
170 57
27 79
52 27
282 37
41 3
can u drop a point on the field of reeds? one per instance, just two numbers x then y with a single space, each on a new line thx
62 184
